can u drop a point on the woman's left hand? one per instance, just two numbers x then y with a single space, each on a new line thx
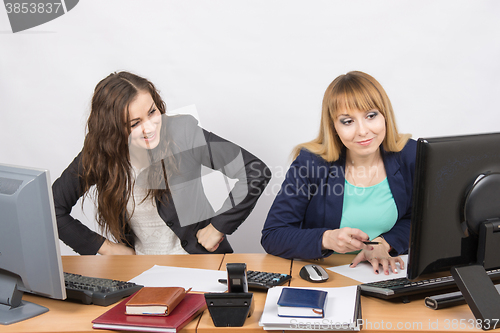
378 255
209 237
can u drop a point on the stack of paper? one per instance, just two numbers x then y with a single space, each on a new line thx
342 313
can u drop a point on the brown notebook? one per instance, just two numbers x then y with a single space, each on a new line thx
155 301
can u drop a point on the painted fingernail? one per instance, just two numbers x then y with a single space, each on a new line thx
376 271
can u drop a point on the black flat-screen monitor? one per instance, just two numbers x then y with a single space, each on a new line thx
30 259
455 223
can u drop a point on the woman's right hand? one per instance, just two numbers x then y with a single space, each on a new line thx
344 240
110 248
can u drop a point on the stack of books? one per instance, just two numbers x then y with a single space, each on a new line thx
180 308
314 309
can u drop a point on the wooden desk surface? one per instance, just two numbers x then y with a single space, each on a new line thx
66 316
382 315
378 315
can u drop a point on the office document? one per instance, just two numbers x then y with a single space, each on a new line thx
363 272
204 280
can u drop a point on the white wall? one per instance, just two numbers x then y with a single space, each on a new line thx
256 71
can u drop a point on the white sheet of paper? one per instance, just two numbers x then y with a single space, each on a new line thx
205 280
363 272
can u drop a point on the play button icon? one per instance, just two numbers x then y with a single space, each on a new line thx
26 14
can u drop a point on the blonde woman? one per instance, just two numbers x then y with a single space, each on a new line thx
351 185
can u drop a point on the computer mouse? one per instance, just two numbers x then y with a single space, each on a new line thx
313 273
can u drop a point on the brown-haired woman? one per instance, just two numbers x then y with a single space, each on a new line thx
143 169
350 185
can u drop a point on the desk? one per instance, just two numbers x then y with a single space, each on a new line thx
379 315
75 317
382 316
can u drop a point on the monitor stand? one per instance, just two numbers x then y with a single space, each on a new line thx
473 281
12 308
480 294
481 213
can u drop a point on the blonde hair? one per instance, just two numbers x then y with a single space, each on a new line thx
352 91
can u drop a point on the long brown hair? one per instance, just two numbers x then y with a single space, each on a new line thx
359 91
106 157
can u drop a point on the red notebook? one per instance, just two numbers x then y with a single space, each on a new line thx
116 319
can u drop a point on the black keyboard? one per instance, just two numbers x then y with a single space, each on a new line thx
91 290
403 287
263 280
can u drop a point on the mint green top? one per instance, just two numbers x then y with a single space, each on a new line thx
371 209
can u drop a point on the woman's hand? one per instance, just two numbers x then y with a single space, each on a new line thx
379 255
108 248
209 237
344 240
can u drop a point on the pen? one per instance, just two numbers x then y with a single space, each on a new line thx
371 243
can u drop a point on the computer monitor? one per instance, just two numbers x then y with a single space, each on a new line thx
30 259
455 222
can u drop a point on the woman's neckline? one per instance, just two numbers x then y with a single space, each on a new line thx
365 187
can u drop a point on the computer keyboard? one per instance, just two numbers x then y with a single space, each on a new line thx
263 280
403 287
92 290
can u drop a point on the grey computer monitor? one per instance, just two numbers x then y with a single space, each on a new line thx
30 259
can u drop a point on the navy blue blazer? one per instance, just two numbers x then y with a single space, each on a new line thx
311 198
